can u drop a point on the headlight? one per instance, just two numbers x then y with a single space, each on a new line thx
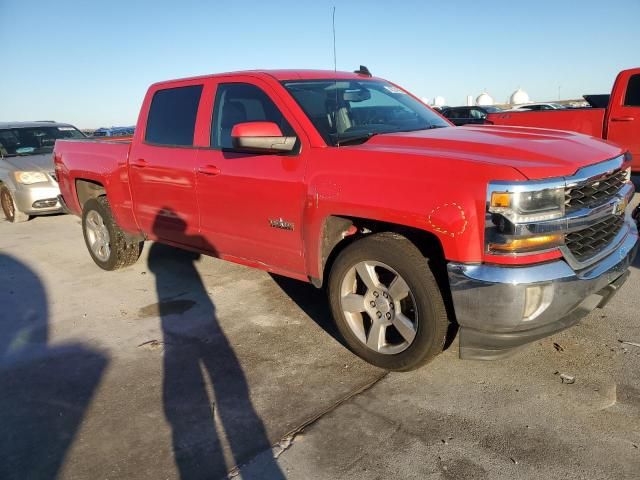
27 178
510 206
528 206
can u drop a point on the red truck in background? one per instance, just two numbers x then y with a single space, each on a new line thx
619 122
350 182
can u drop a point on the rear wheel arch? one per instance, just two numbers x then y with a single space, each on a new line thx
88 189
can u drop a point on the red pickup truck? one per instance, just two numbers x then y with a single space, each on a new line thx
350 182
619 122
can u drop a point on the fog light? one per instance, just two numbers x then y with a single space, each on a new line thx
536 300
46 203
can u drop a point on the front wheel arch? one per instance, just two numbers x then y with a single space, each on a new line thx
340 231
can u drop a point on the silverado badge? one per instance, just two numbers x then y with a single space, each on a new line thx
280 223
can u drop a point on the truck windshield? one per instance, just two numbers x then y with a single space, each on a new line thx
34 140
352 111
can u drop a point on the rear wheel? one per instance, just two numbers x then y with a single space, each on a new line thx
9 208
108 245
386 302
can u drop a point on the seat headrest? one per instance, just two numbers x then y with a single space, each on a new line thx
233 113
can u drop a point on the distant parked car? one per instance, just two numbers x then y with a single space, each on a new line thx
114 132
28 184
464 115
539 106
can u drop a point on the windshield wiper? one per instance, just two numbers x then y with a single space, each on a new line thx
360 138
363 137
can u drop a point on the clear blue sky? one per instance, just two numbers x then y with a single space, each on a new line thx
90 62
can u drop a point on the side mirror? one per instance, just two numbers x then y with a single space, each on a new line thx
263 137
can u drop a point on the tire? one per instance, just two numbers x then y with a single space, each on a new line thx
9 207
403 325
109 247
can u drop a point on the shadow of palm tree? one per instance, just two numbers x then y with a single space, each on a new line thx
44 390
205 391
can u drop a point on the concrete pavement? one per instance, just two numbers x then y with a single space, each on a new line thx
183 366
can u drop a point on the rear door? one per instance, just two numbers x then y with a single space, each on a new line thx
162 165
251 205
623 116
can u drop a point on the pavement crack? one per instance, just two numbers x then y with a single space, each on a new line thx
287 440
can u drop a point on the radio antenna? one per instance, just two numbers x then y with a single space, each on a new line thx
333 24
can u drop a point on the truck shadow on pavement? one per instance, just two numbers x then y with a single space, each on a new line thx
205 391
44 390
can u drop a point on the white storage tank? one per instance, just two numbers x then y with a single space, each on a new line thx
519 97
484 99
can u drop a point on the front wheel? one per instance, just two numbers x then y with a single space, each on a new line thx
108 245
386 302
9 207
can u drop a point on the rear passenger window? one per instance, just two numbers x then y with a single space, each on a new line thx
242 102
632 98
172 116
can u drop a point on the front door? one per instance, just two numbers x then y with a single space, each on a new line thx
251 205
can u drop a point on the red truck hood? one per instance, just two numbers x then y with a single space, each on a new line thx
536 152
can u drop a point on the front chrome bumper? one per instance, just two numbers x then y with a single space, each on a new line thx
500 308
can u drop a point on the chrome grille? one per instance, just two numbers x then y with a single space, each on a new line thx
596 192
590 241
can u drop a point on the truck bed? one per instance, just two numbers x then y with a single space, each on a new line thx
589 121
103 161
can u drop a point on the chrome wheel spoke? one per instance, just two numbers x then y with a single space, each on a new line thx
376 338
404 326
97 247
97 236
353 302
398 288
367 273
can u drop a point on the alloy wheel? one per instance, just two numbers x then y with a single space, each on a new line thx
98 236
379 307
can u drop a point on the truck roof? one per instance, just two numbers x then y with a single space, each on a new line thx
281 75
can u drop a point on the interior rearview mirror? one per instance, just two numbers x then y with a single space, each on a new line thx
265 137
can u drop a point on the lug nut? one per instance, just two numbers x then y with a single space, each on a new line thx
384 294
372 303
379 314
392 306
388 315
375 294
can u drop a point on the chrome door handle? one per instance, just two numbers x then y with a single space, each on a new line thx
623 119
140 163
209 170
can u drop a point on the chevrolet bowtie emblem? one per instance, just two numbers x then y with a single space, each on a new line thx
620 206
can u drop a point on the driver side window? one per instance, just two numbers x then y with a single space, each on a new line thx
239 103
